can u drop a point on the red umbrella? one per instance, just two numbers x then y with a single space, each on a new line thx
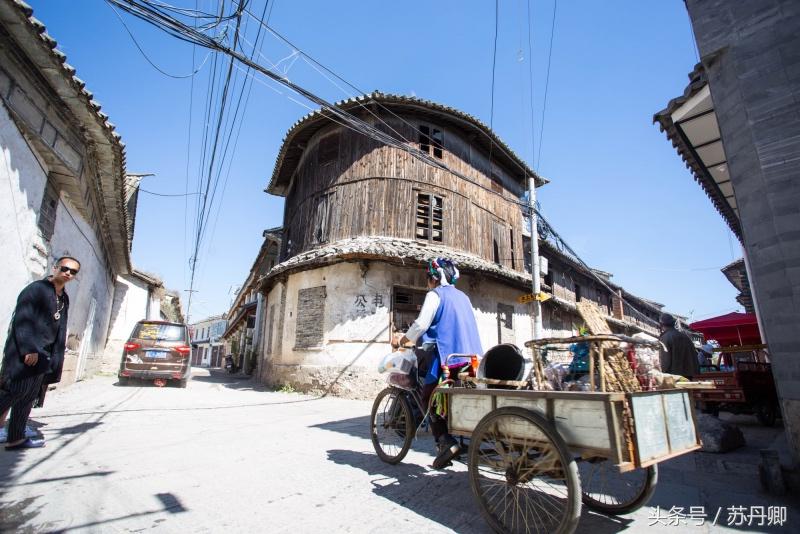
730 329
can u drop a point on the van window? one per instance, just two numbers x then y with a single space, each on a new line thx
160 332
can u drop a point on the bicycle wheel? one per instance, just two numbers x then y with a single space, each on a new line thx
523 475
608 491
392 425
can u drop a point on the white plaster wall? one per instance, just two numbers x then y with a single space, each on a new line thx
356 330
73 236
130 306
22 182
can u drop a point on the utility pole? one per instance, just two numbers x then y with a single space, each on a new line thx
189 303
537 286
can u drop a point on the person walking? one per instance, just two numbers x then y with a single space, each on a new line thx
34 351
679 356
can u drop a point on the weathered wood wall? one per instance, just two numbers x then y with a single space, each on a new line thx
371 189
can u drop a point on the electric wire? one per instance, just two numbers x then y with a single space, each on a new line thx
328 109
546 86
150 61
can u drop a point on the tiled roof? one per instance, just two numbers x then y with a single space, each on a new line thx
31 36
289 154
697 80
403 251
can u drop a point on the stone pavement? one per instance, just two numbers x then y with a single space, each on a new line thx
222 455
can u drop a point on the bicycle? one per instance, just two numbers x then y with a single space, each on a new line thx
398 411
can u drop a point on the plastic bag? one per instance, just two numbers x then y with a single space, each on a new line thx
401 362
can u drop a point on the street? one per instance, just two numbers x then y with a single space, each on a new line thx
221 455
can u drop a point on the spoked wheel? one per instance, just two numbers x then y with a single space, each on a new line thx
523 475
608 491
392 425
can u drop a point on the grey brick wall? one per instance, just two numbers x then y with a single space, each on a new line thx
310 317
751 51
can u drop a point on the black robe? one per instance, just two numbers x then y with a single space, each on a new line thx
680 358
34 330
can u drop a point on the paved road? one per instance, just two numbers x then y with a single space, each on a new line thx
221 455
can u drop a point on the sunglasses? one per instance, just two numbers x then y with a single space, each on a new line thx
64 269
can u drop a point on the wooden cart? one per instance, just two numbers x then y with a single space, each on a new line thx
534 457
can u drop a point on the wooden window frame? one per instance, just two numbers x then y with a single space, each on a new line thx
48 210
431 140
429 219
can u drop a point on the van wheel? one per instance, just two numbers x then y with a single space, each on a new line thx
123 381
182 383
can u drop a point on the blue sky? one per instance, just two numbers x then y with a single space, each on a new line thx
619 193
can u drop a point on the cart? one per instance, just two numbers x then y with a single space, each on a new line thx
535 457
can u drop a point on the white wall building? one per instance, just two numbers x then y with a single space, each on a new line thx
208 347
63 183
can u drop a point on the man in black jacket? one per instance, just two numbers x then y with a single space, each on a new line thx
34 351
680 357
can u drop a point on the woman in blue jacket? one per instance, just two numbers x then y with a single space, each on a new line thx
446 325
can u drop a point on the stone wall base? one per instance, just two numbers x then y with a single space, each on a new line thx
350 383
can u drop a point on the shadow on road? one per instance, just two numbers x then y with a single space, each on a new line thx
359 427
445 496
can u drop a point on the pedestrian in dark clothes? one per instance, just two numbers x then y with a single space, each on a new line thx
34 351
680 356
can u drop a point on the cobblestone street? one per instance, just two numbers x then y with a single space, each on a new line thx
223 456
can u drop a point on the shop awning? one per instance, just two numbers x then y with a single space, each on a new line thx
730 329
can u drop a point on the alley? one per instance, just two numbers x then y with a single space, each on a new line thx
220 455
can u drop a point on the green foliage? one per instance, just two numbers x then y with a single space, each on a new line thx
286 388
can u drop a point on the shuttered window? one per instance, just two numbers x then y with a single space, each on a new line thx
431 140
47 213
430 217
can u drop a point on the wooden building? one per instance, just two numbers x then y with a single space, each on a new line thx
362 218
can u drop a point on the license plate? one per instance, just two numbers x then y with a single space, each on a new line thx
157 354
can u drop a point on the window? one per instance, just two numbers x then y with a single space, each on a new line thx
322 219
328 150
430 214
498 246
430 137
513 258
47 213
577 293
406 304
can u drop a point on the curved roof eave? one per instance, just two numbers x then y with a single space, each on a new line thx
31 36
697 80
289 153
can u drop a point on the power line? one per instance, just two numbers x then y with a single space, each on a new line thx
546 85
530 79
167 195
145 56
186 33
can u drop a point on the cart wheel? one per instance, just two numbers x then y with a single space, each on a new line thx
522 474
392 425
767 413
608 491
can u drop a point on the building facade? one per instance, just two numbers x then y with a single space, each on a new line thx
361 220
244 332
737 128
208 347
62 172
